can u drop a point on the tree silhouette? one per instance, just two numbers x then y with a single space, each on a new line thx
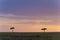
12 28
44 29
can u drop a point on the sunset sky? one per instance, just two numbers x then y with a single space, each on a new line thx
30 15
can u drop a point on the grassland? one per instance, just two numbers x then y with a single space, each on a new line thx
29 35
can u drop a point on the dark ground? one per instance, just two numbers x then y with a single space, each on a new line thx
29 36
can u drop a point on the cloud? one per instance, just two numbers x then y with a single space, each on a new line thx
16 19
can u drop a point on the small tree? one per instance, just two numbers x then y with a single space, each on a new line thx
44 29
12 28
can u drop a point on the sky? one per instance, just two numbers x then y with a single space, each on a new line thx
30 15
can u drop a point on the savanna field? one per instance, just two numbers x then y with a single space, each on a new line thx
29 35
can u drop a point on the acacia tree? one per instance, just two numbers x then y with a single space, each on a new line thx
44 29
12 28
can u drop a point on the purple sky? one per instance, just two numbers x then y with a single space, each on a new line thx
29 7
30 11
